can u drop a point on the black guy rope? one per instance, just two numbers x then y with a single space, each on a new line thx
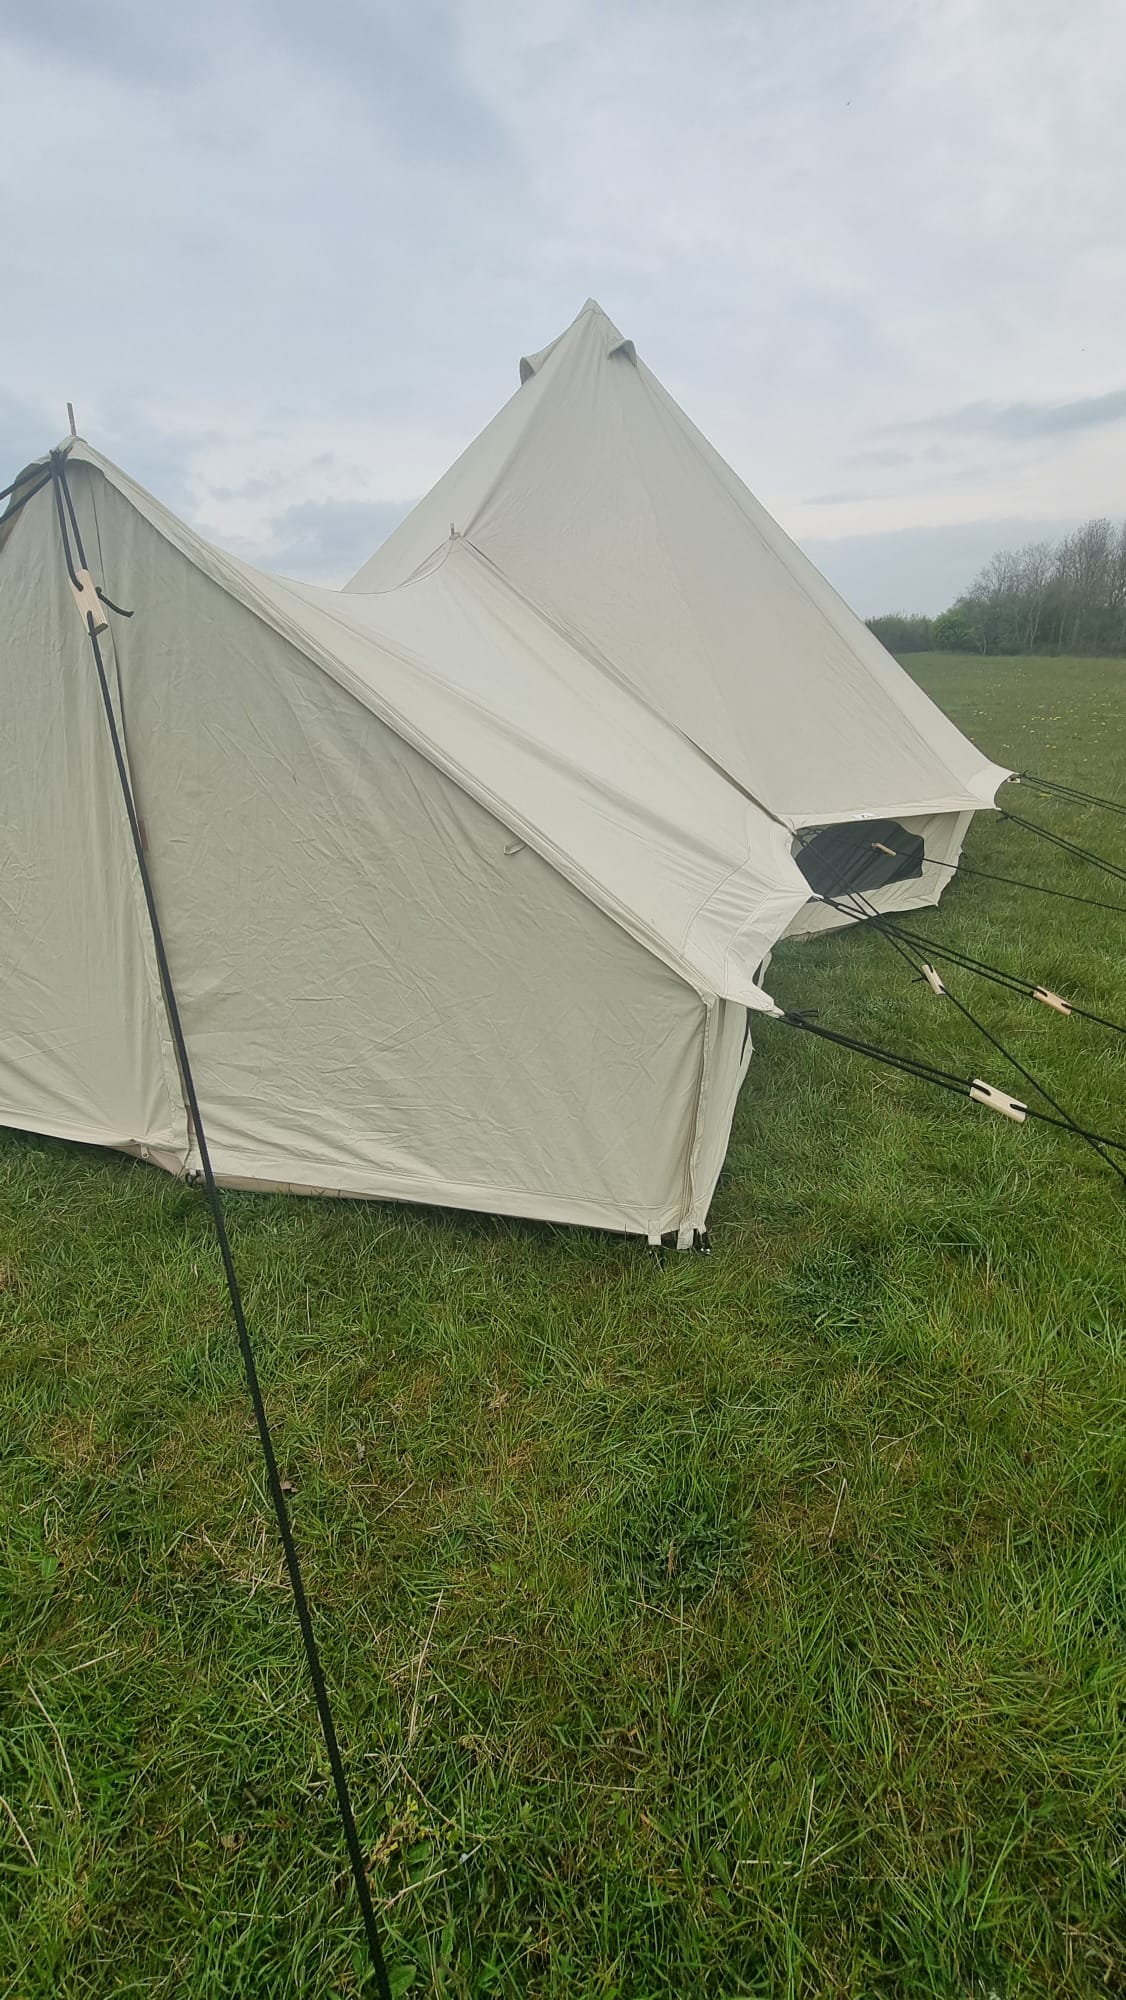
1067 846
58 467
1013 982
246 1348
927 1072
961 867
58 475
915 961
24 496
29 472
111 606
1052 787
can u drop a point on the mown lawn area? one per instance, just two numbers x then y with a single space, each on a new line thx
754 1625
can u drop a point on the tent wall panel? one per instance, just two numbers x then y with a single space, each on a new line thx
84 1049
727 1060
379 997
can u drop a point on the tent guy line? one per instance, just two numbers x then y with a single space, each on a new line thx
923 1072
926 972
1066 846
218 1218
1054 787
1011 981
14 504
961 867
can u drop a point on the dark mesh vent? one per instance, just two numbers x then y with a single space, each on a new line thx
862 855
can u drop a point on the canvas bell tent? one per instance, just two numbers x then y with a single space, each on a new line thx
451 914
593 492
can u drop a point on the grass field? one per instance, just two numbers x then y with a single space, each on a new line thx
751 1626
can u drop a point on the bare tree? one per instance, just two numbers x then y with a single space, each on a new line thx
1053 597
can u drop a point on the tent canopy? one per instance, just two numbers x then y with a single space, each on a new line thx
530 722
452 915
594 494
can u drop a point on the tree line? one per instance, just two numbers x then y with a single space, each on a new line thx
1048 597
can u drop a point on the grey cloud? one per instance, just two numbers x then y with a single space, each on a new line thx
834 499
146 44
398 58
329 539
1018 422
402 64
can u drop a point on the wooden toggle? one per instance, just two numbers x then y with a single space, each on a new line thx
998 1100
88 602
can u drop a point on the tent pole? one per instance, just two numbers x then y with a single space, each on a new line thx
246 1349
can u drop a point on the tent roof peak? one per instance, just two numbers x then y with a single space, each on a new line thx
591 321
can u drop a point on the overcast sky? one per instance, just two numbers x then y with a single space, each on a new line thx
285 257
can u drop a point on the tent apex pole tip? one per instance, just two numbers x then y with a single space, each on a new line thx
70 420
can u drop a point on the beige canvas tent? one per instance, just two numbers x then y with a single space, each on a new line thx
596 496
452 914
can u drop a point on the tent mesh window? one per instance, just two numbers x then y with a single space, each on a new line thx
860 855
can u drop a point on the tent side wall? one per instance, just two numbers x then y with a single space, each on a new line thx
873 676
727 1058
380 998
85 1052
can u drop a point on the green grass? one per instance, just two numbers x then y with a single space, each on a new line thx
751 1626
